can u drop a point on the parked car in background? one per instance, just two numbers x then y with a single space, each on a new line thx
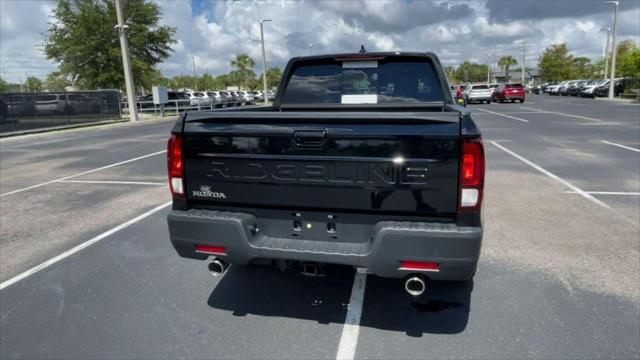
575 88
216 99
271 94
247 97
175 99
478 93
536 89
19 105
67 103
587 90
564 89
236 97
553 89
547 86
228 98
198 98
258 96
619 87
509 92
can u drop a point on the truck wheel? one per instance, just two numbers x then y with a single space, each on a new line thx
521 101
488 101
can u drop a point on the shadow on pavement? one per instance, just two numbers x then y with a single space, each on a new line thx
267 291
443 309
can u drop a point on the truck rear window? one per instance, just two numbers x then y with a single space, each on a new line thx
364 82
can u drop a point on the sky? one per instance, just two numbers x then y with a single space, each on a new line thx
213 32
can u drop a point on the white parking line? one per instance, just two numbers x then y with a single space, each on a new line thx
112 182
553 176
77 248
621 146
508 113
624 193
561 114
83 173
349 338
507 116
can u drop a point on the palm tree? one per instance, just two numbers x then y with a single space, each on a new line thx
243 63
505 62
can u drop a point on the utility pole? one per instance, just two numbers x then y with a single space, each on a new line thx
613 47
488 74
606 52
195 75
128 75
494 66
26 81
524 58
264 60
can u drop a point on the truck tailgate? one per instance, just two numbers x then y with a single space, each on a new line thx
340 161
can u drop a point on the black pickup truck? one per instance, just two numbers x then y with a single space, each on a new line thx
363 159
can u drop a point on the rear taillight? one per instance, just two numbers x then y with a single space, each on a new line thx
175 166
471 175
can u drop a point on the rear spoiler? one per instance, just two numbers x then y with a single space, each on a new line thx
403 117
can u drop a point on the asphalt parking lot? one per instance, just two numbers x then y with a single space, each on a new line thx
87 270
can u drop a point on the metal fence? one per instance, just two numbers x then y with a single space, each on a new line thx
26 111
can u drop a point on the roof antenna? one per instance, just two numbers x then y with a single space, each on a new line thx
362 49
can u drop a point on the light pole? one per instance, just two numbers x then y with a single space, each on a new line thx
606 51
264 60
310 49
613 46
128 75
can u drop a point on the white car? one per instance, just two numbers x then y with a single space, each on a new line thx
587 91
217 99
553 89
478 93
247 96
197 97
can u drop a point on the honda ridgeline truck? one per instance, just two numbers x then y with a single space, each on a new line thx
363 159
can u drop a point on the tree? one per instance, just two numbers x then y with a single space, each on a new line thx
33 84
505 62
244 65
55 81
4 85
449 71
627 59
274 75
471 72
221 82
555 63
82 39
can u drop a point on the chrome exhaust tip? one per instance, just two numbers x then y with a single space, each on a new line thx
217 267
415 285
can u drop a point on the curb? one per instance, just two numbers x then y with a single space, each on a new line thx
622 101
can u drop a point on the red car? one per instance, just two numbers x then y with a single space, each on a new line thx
508 92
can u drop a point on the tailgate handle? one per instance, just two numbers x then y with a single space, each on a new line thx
310 138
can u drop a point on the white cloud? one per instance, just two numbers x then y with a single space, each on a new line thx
455 30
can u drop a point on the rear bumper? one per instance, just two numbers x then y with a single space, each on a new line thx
478 97
455 249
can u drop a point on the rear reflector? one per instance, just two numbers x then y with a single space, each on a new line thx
419 266
468 197
208 249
